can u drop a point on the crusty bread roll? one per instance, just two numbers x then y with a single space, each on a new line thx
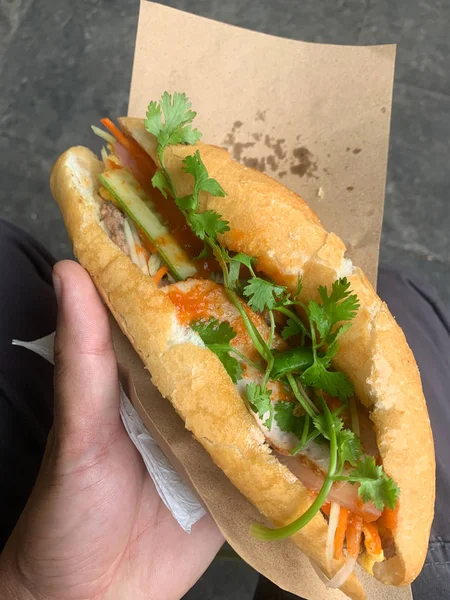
276 226
182 369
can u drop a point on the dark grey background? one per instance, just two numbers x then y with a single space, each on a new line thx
66 63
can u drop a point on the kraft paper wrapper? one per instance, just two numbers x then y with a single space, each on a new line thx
314 116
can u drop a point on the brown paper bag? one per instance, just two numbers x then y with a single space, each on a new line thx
317 118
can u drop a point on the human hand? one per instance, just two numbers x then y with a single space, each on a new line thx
94 526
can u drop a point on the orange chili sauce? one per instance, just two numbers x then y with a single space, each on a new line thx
204 300
195 304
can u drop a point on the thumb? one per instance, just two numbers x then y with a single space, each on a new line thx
86 378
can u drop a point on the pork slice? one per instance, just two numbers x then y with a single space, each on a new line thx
114 221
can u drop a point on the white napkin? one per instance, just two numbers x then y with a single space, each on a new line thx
175 494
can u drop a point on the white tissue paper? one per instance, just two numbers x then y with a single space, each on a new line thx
175 494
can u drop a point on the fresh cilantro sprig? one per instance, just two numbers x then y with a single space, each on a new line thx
374 485
266 533
287 419
259 398
171 123
348 444
326 328
263 294
334 383
340 305
217 337
175 127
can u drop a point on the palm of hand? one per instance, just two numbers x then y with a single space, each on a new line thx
97 529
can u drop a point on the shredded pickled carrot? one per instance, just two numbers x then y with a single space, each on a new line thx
340 533
120 137
353 535
389 517
160 274
372 540
326 508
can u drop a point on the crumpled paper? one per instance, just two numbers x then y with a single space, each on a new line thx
176 495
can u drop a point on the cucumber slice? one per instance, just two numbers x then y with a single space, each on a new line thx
132 199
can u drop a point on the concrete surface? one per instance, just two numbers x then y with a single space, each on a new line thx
64 64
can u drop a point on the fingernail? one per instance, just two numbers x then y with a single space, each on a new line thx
57 286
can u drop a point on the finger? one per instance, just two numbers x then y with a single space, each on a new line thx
86 379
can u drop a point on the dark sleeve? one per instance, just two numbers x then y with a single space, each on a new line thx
27 312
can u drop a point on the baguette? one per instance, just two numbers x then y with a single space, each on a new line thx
373 353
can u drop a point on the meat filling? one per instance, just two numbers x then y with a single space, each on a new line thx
114 221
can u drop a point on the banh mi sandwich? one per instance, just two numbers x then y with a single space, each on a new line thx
271 345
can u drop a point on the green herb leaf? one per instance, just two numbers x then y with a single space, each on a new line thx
286 418
349 446
213 332
374 485
208 223
159 180
217 336
334 383
195 167
287 299
291 328
233 274
341 304
175 128
259 400
244 259
262 294
203 254
318 316
333 338
298 291
235 267
186 203
232 366
321 423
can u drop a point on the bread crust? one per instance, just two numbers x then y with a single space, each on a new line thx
276 226
184 372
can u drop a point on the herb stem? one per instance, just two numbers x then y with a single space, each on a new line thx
246 359
302 398
272 329
268 371
262 532
314 342
305 430
309 439
253 332
291 315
